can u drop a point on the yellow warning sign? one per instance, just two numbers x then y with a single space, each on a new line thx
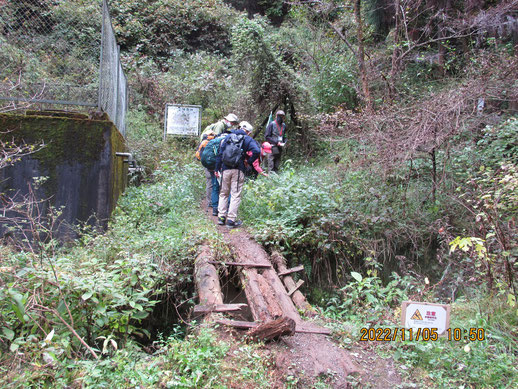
416 315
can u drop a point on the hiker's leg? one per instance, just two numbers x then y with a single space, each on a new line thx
224 192
270 162
236 189
208 186
277 162
215 191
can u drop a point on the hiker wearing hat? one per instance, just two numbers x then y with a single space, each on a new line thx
213 130
230 166
275 134
222 126
255 169
209 179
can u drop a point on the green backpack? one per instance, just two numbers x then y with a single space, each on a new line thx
208 156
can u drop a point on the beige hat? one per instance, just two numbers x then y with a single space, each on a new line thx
246 126
231 118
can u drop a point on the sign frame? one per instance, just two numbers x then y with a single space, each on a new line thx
179 106
446 307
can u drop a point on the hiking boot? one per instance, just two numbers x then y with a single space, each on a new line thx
214 212
234 224
221 220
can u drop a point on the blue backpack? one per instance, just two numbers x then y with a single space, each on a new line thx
208 156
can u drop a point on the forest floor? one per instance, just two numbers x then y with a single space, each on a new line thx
311 358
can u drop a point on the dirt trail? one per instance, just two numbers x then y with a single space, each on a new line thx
309 357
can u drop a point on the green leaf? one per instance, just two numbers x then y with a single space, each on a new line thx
87 295
8 333
62 308
140 315
357 276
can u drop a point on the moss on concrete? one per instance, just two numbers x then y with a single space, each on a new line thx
76 141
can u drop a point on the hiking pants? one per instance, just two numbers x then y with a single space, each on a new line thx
274 162
215 191
208 186
232 181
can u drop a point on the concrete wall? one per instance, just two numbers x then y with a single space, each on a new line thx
83 174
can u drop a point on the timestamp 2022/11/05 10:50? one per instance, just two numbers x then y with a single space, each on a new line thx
421 334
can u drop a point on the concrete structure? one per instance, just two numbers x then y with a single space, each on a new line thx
82 174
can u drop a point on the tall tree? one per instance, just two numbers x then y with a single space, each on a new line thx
361 55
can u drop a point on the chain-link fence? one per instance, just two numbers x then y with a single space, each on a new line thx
60 53
112 85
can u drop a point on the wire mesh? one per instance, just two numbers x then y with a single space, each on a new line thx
112 85
60 53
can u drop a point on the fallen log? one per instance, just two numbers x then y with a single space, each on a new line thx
298 298
206 279
259 296
265 293
283 326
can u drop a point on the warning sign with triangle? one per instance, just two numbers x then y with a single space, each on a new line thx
416 315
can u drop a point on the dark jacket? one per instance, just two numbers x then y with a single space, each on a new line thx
273 132
249 144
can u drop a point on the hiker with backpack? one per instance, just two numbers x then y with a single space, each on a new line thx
252 171
230 166
222 126
275 134
208 157
208 177
210 132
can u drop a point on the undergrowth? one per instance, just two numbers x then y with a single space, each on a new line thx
443 363
99 297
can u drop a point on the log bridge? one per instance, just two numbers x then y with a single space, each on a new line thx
273 297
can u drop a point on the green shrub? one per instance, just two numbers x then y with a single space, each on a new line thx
102 289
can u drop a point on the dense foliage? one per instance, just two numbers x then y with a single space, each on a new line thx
103 292
399 181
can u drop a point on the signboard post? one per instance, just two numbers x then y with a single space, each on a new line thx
425 315
182 120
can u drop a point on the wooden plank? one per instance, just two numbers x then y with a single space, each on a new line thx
292 270
297 297
313 330
238 323
198 309
245 325
245 264
299 284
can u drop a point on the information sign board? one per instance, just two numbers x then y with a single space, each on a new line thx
425 315
183 120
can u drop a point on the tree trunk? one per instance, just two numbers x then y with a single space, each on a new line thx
298 298
445 9
265 293
207 279
361 57
395 53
